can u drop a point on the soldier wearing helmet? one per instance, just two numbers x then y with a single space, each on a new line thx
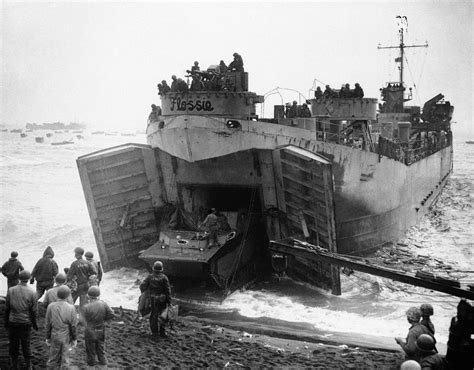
429 356
80 271
20 317
416 329
427 311
158 287
52 294
96 314
95 264
61 329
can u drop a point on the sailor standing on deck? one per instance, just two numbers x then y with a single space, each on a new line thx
80 271
20 317
237 65
158 287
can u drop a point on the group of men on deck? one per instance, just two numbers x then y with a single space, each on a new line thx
344 93
210 80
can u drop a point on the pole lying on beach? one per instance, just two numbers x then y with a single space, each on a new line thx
293 247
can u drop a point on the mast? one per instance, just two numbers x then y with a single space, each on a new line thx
402 26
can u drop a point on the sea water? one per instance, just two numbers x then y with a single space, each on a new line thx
42 203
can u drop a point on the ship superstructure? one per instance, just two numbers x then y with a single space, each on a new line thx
328 179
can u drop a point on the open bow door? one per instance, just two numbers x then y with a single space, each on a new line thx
305 191
123 191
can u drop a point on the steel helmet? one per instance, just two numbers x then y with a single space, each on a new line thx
24 275
93 292
425 343
158 266
410 365
60 278
426 309
79 250
414 314
63 292
89 255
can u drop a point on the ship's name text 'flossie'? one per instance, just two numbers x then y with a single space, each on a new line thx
191 105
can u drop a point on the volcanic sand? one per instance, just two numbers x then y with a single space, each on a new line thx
195 343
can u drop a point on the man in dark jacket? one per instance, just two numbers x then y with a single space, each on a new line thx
96 265
158 287
460 354
11 269
96 314
20 317
237 65
60 325
44 272
80 271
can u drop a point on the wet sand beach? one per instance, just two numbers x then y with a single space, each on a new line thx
196 342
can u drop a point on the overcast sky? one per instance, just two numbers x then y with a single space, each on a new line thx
99 62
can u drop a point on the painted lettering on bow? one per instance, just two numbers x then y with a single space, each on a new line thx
191 105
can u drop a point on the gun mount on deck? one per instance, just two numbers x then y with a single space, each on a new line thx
438 112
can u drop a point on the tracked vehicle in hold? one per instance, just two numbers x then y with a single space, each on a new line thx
349 178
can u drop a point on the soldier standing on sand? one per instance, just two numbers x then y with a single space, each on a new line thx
80 271
11 270
20 317
52 294
60 325
44 272
158 287
416 329
95 264
96 314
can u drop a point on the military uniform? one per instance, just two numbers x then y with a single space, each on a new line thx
60 325
96 313
20 317
158 286
409 347
52 296
80 271
11 270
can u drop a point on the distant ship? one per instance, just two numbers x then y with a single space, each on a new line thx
56 126
350 177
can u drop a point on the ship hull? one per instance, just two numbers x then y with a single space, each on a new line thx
344 199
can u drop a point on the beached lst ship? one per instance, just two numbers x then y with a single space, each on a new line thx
351 177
